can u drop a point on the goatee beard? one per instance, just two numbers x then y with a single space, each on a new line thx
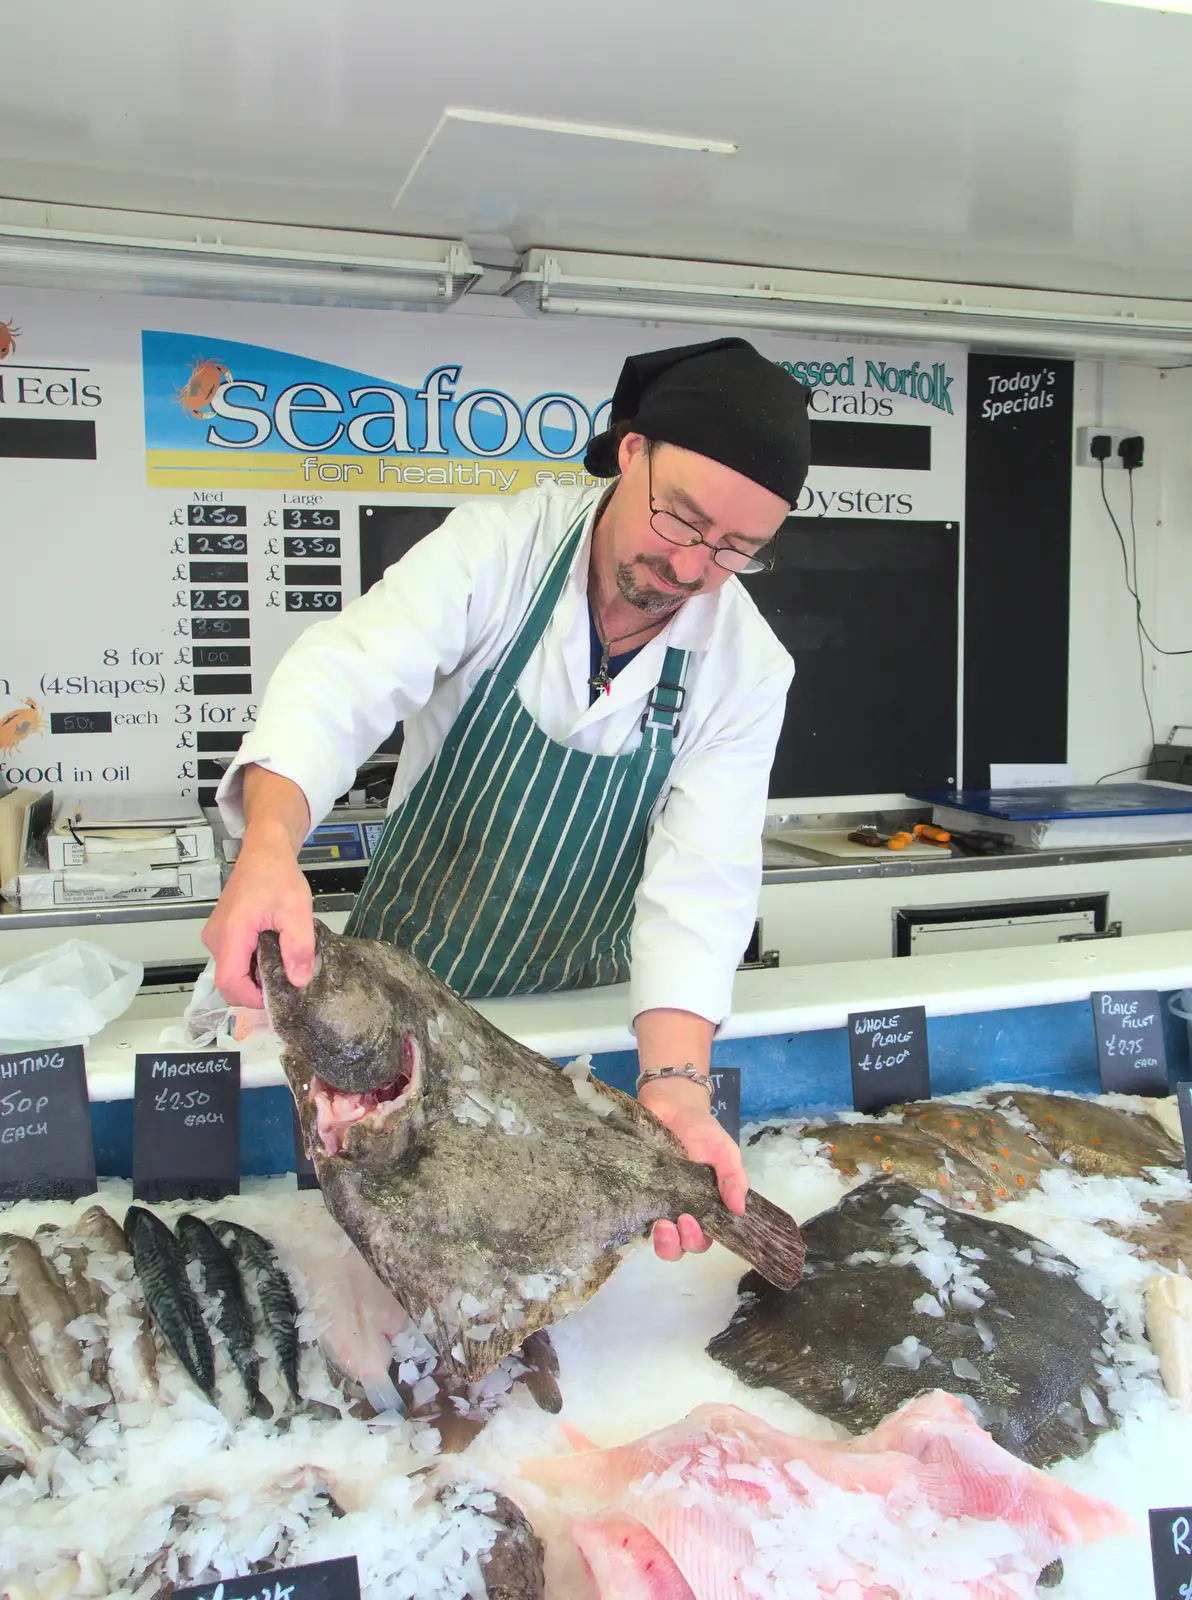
651 601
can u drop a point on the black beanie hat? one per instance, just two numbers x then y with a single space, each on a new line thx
723 400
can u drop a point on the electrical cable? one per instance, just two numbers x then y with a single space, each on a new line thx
1141 766
1158 648
1132 590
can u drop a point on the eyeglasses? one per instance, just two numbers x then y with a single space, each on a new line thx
674 530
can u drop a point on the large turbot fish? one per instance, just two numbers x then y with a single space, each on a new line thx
1097 1139
489 1190
901 1295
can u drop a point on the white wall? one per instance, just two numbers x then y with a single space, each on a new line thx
1107 723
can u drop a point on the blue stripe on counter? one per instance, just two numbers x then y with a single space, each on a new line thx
781 1075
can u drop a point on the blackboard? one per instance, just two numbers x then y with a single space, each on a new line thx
888 1054
1171 1552
1130 1048
186 1125
867 608
318 1580
1017 556
45 1125
726 1099
869 611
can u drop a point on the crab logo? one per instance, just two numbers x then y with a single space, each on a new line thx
197 392
8 338
17 725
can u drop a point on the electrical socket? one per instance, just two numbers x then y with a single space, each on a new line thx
1085 437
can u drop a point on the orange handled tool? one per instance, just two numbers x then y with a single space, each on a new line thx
928 834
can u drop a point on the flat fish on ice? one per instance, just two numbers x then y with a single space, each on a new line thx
490 1191
1010 1160
1096 1139
903 1153
901 1295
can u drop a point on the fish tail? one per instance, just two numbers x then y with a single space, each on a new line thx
260 1407
765 1236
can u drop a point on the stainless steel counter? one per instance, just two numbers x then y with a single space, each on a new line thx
788 863
782 863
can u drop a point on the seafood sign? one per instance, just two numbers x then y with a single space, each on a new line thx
491 1191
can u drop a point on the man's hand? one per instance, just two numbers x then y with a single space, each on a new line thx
266 891
683 1107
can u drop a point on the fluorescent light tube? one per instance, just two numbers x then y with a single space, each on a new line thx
841 304
85 248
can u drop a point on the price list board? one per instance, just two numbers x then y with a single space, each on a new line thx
312 571
213 684
250 572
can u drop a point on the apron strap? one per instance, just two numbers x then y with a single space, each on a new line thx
661 719
546 597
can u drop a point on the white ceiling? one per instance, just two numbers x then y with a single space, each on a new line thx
1031 142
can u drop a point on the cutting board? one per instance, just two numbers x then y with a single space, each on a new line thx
836 843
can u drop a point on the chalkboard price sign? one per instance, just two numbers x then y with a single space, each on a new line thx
320 1580
217 544
1171 1552
1130 1047
186 1126
311 548
304 1167
217 516
314 600
296 519
45 1125
726 1099
888 1052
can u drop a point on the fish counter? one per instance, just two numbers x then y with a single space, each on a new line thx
967 1374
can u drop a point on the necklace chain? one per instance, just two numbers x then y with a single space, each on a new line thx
602 679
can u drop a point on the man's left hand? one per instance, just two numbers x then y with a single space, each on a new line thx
683 1107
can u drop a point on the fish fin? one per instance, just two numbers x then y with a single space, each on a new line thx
765 1236
641 1118
318 1410
541 1377
576 1439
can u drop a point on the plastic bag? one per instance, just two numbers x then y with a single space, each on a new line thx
64 995
208 1016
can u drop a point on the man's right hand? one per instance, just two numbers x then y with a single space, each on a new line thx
266 891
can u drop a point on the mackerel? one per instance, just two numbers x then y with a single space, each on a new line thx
222 1284
173 1305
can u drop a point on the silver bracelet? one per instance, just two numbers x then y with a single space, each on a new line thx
689 1071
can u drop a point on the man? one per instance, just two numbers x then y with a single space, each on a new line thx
590 705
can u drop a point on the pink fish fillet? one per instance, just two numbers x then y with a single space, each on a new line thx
715 1439
626 1561
985 1481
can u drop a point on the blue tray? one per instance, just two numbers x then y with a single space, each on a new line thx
1052 804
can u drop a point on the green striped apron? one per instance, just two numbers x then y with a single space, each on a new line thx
511 865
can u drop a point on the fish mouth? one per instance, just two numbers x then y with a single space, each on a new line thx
338 1110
